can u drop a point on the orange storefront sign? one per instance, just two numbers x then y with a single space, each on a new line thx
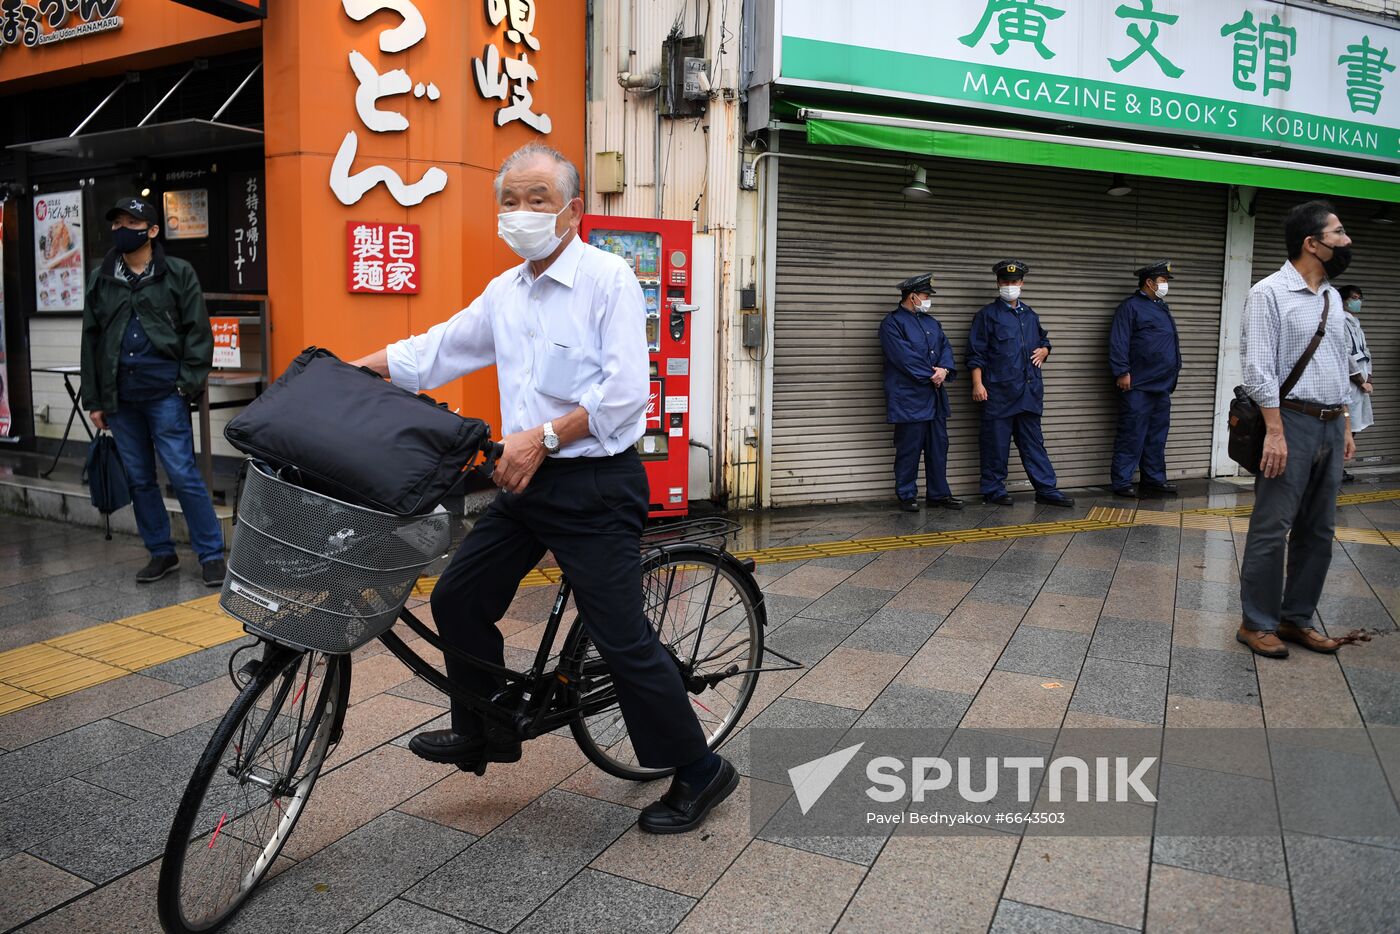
399 113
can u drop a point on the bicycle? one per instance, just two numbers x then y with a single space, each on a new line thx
315 578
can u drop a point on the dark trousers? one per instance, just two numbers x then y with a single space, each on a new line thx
589 512
1144 419
926 441
995 439
1294 515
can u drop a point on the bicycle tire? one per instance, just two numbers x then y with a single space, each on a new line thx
600 750
326 715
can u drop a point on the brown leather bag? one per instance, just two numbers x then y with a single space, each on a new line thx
1247 428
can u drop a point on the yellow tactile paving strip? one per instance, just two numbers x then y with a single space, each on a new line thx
35 673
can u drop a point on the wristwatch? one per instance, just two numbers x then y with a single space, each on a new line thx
551 440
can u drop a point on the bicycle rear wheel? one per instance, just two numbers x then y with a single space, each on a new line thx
250 787
704 606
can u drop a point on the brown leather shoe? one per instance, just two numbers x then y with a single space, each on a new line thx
1308 638
1262 642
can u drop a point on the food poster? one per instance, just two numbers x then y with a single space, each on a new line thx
58 251
186 214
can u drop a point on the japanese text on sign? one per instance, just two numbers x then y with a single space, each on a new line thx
508 79
20 22
373 86
383 258
246 237
227 352
1278 73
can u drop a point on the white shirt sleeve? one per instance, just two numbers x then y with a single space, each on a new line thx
1259 340
618 402
460 345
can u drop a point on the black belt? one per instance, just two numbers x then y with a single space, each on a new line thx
1312 410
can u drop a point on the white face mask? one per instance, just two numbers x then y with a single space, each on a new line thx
926 304
1162 289
529 233
1009 292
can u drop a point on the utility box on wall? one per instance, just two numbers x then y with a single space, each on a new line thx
675 51
608 175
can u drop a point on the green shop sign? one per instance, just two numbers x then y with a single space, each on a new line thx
1256 70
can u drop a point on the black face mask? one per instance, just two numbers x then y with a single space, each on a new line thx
1341 259
128 240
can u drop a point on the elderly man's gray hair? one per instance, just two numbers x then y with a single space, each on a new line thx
568 183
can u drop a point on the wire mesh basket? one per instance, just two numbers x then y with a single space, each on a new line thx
313 572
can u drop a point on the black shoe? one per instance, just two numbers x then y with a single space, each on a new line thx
158 567
998 499
467 752
1159 490
1054 499
947 502
1126 492
683 808
1348 477
909 505
213 572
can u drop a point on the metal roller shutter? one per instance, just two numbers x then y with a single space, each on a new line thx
846 235
1376 268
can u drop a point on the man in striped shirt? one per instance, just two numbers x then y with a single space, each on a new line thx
1308 433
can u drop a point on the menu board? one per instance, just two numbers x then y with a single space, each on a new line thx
58 251
187 214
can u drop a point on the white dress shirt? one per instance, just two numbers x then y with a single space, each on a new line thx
574 336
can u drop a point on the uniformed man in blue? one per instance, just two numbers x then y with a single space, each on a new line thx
1144 352
918 362
1005 350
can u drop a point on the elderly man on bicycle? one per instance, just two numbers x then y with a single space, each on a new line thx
566 331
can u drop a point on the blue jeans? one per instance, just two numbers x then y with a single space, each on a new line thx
161 427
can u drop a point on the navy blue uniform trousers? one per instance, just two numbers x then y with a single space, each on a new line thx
926 441
996 437
1143 421
589 512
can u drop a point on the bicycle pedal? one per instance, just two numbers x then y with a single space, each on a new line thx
477 768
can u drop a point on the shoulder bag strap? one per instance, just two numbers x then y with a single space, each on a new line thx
1302 363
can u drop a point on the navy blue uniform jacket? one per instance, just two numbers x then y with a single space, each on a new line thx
1144 342
914 343
1000 344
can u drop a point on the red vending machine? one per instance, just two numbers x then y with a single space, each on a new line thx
659 253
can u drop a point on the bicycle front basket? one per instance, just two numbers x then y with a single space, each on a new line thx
313 572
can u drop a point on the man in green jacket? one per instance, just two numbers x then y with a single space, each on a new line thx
147 349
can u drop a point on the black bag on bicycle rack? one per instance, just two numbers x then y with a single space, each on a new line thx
351 435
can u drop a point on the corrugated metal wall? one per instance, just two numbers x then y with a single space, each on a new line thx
1376 268
846 236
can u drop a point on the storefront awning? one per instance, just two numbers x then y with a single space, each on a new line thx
176 138
992 144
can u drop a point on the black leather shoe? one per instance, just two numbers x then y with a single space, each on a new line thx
452 748
998 499
1126 492
1158 491
1348 477
1054 499
684 808
909 505
947 502
157 568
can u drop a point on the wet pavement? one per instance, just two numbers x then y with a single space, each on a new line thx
992 618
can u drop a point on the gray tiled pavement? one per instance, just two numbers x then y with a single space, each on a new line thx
1122 628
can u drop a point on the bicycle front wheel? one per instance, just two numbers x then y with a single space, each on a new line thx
250 787
704 607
